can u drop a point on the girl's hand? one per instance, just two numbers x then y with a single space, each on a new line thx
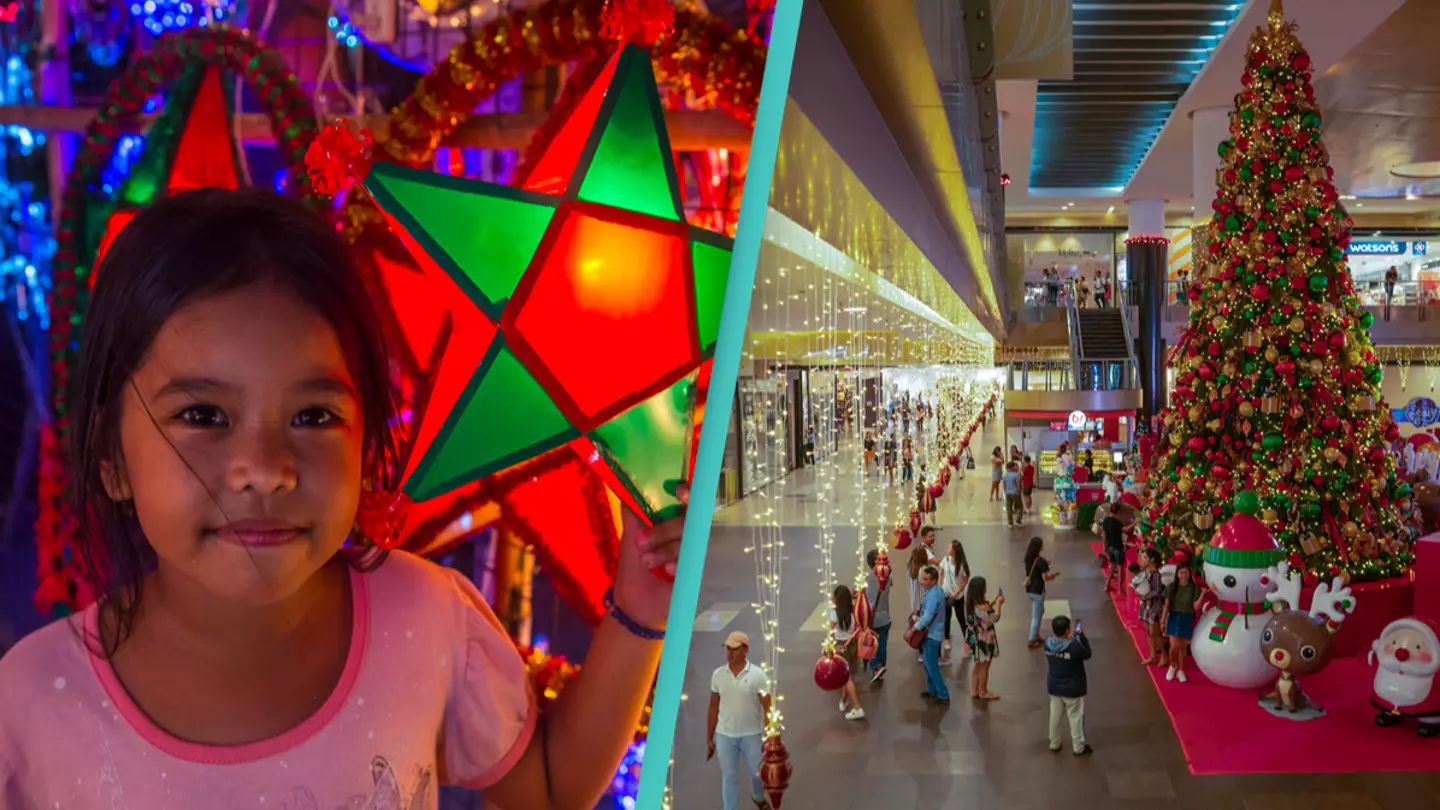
639 590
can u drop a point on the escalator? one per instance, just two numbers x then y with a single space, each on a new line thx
1102 349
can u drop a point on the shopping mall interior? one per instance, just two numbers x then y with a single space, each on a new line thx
1018 205
1171 259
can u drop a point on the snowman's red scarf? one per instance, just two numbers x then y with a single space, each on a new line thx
1228 612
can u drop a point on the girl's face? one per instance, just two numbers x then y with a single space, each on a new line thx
241 441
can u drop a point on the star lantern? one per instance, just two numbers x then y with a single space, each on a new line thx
583 306
191 145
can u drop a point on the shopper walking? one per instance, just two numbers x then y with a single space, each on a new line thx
879 595
1038 573
931 622
739 706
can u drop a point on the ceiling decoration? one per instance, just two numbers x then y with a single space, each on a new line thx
1132 65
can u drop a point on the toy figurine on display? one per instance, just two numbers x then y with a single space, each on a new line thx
1298 643
1237 567
1408 652
1065 511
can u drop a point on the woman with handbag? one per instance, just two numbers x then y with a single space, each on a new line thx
954 576
1037 573
846 632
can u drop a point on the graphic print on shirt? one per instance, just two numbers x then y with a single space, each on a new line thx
387 790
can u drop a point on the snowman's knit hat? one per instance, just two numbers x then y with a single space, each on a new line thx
1244 541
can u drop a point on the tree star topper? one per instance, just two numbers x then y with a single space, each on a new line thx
582 303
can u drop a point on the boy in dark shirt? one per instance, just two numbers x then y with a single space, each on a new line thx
1065 656
1113 527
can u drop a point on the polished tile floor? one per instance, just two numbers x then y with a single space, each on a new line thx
975 756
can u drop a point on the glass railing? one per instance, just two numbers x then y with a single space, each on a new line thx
1058 375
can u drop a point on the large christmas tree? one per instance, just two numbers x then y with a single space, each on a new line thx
1276 406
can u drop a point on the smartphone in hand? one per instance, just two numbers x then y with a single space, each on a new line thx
1079 627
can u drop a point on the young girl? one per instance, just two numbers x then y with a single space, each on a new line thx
1152 606
997 462
1037 574
231 404
954 577
919 558
841 613
1182 603
981 615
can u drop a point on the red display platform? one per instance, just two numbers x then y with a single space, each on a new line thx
1248 739
1427 578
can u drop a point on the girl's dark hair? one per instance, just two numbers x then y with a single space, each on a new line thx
844 607
178 251
974 594
957 557
997 452
1151 554
1032 552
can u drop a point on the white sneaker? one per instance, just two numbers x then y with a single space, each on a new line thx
1170 674
856 713
1180 676
842 707
944 660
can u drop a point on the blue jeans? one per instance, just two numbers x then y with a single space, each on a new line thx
934 683
729 749
882 636
1037 612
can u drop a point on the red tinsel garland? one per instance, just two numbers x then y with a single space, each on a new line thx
1146 240
293 119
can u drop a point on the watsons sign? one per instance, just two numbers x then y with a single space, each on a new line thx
1375 248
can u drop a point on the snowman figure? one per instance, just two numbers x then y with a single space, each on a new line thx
1238 567
1408 653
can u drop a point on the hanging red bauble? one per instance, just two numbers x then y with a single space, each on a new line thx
832 672
775 769
902 537
882 567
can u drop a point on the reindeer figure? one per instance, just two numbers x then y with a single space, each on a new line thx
1298 643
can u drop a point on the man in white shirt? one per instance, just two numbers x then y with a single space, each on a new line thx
739 706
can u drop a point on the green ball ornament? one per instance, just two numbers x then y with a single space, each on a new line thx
1264 70
1247 502
1273 442
1374 375
1336 254
1312 213
1367 320
1246 175
1224 148
1318 282
1402 491
1247 115
1310 120
1249 366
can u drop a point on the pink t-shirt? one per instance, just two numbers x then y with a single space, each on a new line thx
432 689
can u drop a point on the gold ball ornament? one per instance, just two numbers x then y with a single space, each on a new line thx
1218 322
1184 484
1272 354
1297 324
1351 529
1246 409
1331 453
1316 366
1270 516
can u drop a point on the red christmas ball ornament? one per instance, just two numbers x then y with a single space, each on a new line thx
1337 341
775 770
832 672
1213 348
1206 373
1260 291
1300 62
1296 560
936 490
1310 580
1270 237
1329 422
1220 472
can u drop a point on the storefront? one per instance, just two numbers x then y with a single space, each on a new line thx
1068 257
1416 259
1039 434
764 435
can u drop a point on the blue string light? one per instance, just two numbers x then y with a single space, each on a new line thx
627 778
160 16
27 242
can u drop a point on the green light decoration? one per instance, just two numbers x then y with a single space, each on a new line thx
583 305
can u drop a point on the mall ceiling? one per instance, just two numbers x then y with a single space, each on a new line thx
1133 62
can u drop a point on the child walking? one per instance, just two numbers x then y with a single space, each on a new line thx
231 413
1182 603
1065 655
1014 508
1152 606
981 615
1027 485
841 614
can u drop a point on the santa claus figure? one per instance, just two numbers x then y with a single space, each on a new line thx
1409 656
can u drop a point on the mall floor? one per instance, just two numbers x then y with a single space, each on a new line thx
967 755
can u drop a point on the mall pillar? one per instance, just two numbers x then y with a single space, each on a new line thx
1145 254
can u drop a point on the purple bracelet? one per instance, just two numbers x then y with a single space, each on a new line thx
627 622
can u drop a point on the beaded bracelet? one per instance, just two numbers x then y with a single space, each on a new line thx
629 623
